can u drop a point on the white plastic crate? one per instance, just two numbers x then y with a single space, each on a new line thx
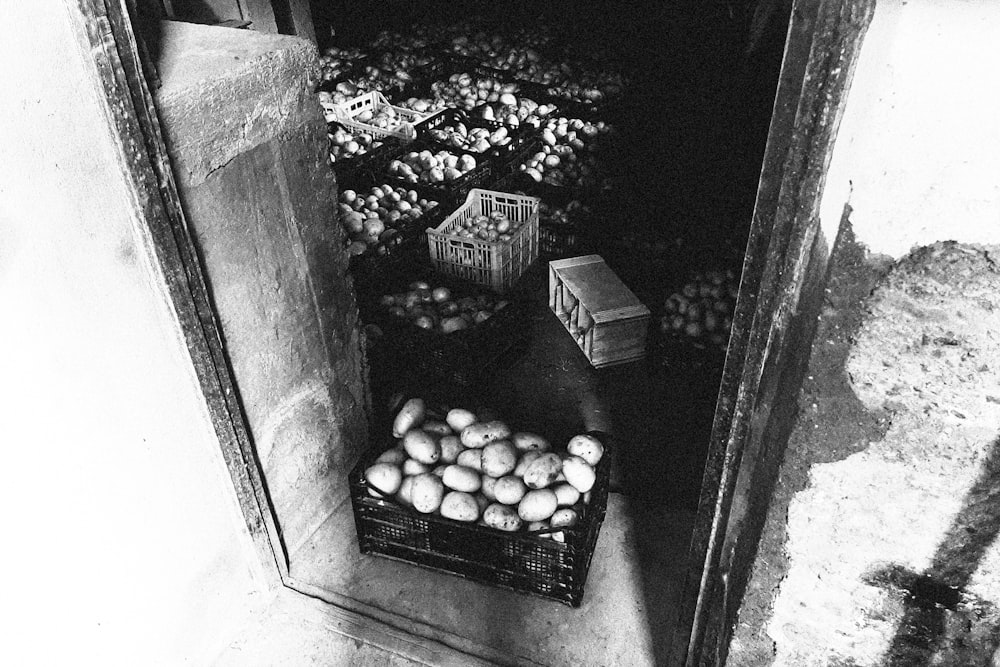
496 264
346 113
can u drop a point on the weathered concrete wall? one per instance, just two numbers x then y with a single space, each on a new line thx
880 546
250 140
124 543
918 153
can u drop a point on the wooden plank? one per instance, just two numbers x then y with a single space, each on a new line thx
144 157
598 286
294 17
260 14
613 321
771 330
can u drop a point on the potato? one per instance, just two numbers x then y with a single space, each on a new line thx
471 458
460 506
439 470
384 479
499 458
451 447
483 502
509 490
566 494
461 478
526 460
537 505
422 446
405 493
459 419
587 448
579 473
482 433
487 485
396 456
436 428
502 518
543 471
412 467
564 518
409 416
530 442
426 492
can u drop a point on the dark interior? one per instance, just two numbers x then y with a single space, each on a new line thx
692 124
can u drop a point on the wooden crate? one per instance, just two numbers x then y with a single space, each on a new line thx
607 321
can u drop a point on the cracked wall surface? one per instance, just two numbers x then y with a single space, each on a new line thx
881 545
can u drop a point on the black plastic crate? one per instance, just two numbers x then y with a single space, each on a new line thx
526 562
363 166
376 268
460 358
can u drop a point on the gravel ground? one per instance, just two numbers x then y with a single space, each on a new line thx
880 547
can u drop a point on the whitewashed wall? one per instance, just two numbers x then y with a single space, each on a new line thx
123 540
918 153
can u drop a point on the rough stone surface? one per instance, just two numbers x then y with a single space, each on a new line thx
260 198
226 91
880 547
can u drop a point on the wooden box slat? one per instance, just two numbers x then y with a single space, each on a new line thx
604 317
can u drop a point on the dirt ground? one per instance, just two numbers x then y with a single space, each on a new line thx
880 545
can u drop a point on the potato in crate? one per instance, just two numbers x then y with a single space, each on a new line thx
526 519
491 239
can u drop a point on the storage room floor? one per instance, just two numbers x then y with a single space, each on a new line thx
694 124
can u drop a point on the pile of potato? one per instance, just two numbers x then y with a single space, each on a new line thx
431 167
703 309
385 79
435 307
405 62
568 215
425 105
474 139
344 91
346 144
518 54
590 86
336 62
481 471
496 226
514 110
372 220
466 91
567 157
419 36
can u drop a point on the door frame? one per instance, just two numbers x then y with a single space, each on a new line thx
780 295
783 255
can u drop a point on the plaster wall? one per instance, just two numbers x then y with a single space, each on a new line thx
123 539
918 152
